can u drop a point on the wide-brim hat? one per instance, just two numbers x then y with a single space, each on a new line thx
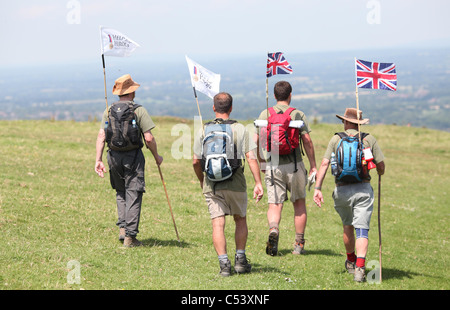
351 116
125 85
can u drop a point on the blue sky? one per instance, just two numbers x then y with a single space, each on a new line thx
55 31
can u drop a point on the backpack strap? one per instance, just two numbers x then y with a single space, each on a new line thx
289 110
341 134
272 111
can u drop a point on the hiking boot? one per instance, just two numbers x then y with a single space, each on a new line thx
131 242
350 266
360 274
121 233
299 248
241 264
272 243
225 268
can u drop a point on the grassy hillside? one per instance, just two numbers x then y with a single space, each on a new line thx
55 210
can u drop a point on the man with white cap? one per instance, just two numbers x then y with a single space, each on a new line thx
123 124
353 201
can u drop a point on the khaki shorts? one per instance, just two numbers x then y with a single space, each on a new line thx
354 204
284 180
225 202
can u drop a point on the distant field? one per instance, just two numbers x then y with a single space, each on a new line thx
57 214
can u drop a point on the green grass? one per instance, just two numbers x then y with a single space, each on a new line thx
55 209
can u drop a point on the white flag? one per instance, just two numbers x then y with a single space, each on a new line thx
115 43
202 79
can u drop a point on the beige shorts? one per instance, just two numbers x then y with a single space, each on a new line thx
286 180
225 202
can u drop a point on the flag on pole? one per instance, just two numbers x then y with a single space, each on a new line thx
277 64
202 79
114 43
375 75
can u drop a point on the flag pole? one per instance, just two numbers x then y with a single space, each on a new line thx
104 80
198 106
379 223
267 91
267 96
357 106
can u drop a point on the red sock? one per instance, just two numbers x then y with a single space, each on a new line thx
351 257
360 261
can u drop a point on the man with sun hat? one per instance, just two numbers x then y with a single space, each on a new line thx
352 201
126 165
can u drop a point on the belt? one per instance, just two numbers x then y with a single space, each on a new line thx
345 183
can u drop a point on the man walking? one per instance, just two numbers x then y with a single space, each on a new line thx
229 196
353 201
285 173
125 122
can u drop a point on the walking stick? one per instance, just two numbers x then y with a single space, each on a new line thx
170 207
379 222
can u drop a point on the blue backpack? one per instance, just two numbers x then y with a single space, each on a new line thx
219 152
349 158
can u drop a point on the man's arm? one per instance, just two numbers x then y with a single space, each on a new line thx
318 197
258 191
99 147
150 142
196 163
310 153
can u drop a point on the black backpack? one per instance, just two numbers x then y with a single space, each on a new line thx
123 133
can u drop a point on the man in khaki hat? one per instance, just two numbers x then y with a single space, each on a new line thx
353 201
125 158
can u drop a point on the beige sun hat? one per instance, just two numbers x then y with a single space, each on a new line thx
350 116
125 85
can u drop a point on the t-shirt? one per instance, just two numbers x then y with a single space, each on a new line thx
368 141
245 144
295 115
143 120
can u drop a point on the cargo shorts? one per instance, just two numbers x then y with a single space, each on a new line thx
354 204
226 202
285 180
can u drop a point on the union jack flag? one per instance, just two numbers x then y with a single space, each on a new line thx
277 64
376 75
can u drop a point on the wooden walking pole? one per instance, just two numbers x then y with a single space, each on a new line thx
379 222
170 207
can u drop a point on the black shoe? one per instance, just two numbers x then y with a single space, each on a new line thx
272 243
225 268
241 264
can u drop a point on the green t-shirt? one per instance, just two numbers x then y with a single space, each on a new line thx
144 120
245 144
295 115
368 141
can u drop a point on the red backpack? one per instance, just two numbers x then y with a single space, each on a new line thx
280 137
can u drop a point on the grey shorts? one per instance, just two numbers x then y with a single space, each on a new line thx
354 204
127 170
225 202
285 180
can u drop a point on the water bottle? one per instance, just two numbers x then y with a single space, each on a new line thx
133 123
333 164
106 125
